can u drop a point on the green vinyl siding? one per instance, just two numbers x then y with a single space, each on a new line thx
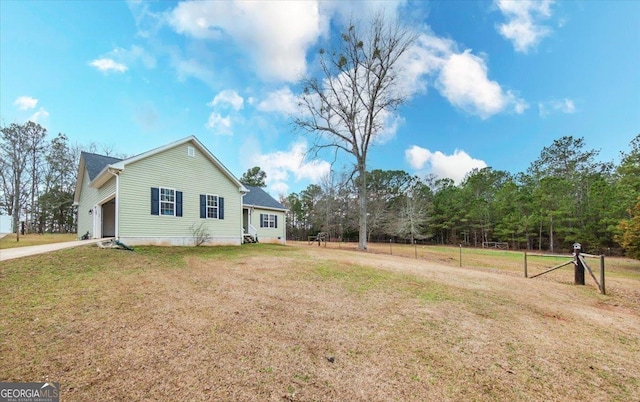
90 197
269 234
107 189
193 176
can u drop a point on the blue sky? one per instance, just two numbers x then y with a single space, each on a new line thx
489 83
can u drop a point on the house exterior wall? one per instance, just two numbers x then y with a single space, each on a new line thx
175 169
269 235
89 197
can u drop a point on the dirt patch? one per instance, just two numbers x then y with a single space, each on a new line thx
304 323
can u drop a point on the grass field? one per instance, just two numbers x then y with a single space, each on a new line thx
34 239
300 322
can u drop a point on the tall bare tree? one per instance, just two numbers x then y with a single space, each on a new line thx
18 142
357 91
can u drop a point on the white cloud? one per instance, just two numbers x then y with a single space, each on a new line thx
280 101
426 57
523 22
228 97
417 156
227 101
25 102
132 55
562 106
464 82
346 10
220 125
190 67
106 65
280 165
454 166
39 116
275 34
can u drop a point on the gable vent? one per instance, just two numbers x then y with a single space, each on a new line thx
191 152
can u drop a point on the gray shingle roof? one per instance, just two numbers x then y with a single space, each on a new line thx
258 197
95 163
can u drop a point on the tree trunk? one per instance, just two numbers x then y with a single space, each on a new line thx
551 234
362 198
16 207
540 237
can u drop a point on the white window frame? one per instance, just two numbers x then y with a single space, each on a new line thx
161 201
215 208
269 221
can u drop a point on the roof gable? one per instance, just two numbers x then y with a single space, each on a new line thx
121 164
95 163
260 198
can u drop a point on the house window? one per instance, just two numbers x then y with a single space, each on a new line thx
212 206
167 201
191 152
268 221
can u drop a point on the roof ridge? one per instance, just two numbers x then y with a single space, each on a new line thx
104 156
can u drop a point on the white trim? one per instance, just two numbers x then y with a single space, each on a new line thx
269 221
107 198
116 173
261 207
97 221
206 206
172 202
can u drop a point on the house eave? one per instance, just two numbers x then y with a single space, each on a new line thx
263 207
104 176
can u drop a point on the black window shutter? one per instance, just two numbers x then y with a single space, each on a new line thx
203 206
155 201
220 208
261 220
178 203
276 216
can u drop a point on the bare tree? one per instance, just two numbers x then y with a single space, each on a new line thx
17 143
347 107
411 216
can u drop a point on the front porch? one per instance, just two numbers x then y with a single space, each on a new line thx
249 232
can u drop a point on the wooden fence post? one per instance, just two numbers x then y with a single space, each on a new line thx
602 273
578 277
390 249
461 255
415 249
526 275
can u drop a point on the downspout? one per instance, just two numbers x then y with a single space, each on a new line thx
117 211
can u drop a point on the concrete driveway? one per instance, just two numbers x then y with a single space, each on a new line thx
17 252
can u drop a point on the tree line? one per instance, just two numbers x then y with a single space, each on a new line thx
565 196
38 178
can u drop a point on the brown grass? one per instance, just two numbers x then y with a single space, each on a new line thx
262 322
34 239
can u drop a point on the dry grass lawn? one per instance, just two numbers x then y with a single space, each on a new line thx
34 239
266 322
